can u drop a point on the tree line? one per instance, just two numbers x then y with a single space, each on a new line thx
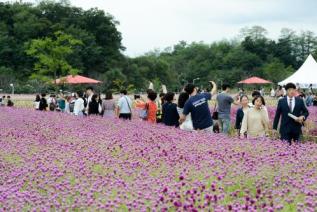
44 41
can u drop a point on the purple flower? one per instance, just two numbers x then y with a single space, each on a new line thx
54 161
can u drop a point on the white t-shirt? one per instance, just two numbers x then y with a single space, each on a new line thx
49 100
125 105
79 106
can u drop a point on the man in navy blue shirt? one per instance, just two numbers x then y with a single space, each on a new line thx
197 106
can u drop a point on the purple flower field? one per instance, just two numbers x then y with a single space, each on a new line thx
57 162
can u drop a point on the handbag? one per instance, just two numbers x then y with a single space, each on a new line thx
187 125
215 113
144 112
216 128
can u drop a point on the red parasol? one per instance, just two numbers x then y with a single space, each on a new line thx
77 79
255 80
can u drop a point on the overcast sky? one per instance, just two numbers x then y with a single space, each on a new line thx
149 24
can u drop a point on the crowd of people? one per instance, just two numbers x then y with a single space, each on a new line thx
190 110
79 104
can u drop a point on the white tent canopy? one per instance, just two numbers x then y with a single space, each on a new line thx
305 75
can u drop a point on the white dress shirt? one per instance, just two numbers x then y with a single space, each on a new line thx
293 102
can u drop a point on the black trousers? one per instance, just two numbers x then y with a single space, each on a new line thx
289 137
125 116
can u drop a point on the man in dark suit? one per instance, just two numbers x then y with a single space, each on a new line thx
290 128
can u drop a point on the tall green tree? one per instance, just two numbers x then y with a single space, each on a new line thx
306 43
255 32
52 54
276 71
286 48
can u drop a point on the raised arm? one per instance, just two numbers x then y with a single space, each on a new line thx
214 88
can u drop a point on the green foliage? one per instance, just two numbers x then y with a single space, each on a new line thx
276 70
255 32
52 56
52 39
230 62
119 85
21 23
114 79
6 77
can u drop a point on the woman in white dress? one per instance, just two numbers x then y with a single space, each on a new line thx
188 123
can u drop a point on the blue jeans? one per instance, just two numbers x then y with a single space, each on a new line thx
224 125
